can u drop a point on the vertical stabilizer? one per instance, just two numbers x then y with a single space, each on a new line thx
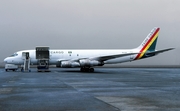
149 44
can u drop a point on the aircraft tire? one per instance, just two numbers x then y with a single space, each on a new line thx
82 69
91 69
87 69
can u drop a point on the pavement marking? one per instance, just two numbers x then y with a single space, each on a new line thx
127 103
5 90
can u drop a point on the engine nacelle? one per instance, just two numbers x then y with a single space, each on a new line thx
89 63
69 64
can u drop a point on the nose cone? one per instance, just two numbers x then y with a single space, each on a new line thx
11 60
5 60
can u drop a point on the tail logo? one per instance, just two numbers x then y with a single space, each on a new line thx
149 43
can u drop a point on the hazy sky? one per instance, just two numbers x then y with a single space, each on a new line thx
90 24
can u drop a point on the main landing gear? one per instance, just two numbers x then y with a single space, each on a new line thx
87 69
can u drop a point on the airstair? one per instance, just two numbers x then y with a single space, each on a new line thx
26 59
42 56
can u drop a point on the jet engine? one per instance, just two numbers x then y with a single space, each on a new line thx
67 64
81 63
89 63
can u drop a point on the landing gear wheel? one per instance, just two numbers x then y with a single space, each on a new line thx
91 69
82 69
87 69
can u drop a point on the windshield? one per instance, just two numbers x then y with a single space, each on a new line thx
13 55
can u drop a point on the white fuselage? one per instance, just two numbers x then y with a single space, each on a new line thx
60 55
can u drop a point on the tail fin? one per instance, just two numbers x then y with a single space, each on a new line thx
149 43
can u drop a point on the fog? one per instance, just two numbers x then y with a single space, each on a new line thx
90 24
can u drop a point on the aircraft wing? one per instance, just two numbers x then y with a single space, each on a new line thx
159 51
101 58
104 58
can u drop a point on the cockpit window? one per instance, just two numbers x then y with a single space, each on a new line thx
13 55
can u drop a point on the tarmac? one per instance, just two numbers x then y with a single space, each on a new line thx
107 89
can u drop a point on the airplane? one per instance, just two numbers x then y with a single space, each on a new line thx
86 60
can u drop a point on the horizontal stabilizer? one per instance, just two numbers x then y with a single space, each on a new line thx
159 51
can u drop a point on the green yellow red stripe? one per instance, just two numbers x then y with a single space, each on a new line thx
148 44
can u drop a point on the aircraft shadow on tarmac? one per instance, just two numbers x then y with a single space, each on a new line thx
77 71
96 71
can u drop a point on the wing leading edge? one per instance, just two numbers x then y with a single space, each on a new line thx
105 58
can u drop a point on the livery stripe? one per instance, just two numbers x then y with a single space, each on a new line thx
147 47
148 44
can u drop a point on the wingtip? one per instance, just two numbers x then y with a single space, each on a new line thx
172 48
